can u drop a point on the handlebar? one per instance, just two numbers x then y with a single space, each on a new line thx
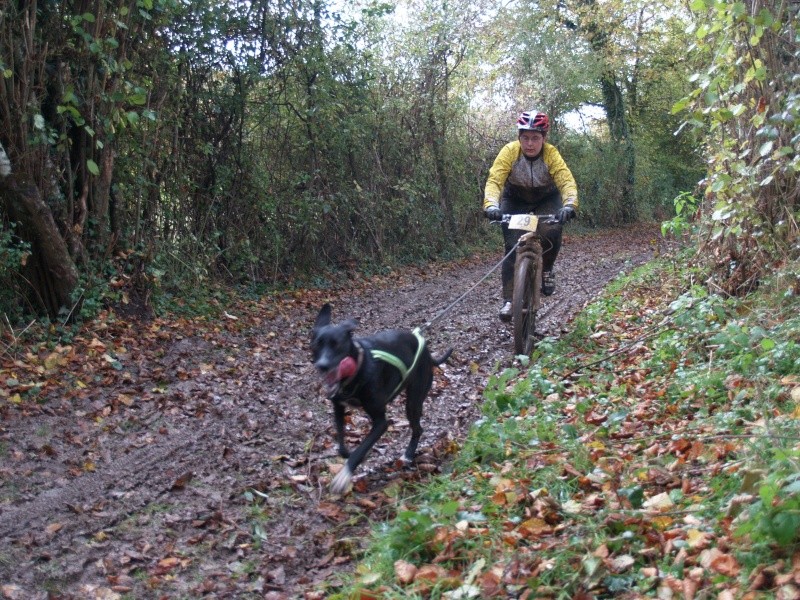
543 219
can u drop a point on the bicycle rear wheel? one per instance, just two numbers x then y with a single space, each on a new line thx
527 282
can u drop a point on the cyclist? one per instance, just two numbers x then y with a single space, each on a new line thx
529 176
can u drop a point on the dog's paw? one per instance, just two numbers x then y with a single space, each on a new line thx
341 483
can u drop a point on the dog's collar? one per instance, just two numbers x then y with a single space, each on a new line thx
359 362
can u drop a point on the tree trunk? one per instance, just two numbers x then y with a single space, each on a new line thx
51 273
436 140
596 32
614 105
101 196
435 86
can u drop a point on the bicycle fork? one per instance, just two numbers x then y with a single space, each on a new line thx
531 247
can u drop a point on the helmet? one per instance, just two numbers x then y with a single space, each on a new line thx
533 121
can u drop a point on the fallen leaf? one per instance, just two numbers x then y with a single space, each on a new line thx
13 592
534 527
404 572
622 563
96 592
697 539
53 360
430 573
181 482
331 511
125 399
689 589
659 502
54 528
726 565
490 582
169 562
661 523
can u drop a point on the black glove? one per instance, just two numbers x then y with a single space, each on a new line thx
493 213
566 214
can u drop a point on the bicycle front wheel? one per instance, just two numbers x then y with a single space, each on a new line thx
527 281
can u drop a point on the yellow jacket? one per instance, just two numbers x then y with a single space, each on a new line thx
557 173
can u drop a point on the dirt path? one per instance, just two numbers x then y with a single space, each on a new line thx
203 472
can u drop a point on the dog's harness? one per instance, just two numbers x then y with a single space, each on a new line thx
398 364
386 357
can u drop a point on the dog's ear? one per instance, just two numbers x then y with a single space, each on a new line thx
349 325
323 318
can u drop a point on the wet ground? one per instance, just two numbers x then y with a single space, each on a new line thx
200 469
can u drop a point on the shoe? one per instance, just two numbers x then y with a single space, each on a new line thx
548 283
505 312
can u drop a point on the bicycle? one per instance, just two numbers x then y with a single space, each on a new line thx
527 295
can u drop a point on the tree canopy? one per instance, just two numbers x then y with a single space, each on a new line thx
175 145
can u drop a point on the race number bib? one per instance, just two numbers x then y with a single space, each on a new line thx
524 222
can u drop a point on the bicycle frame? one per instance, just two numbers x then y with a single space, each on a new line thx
527 295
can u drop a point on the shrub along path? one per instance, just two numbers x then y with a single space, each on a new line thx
178 457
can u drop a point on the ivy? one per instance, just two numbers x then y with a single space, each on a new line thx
745 102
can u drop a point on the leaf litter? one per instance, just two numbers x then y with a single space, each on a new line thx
190 456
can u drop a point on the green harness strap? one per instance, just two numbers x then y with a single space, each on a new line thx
398 364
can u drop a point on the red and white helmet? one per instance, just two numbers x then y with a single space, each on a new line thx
533 121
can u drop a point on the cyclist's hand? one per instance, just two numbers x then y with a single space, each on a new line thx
493 213
566 214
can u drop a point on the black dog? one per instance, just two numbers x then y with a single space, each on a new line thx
368 373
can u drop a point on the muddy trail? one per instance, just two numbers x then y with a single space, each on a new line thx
183 463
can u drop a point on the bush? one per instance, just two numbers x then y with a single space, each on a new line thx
13 255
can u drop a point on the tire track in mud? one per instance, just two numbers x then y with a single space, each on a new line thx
51 525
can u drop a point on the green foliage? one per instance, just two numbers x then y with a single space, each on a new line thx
686 207
618 56
745 102
13 255
410 535
324 171
775 516
316 142
596 166
718 342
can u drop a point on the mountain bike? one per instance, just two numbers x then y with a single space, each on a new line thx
527 297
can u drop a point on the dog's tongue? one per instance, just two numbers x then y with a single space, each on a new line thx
332 379
347 367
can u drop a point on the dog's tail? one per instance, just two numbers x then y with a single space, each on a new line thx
438 360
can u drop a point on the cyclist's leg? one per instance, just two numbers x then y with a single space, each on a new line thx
551 237
510 238
551 242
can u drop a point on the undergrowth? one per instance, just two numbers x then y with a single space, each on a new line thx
653 450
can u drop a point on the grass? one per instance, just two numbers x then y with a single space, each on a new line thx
664 426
